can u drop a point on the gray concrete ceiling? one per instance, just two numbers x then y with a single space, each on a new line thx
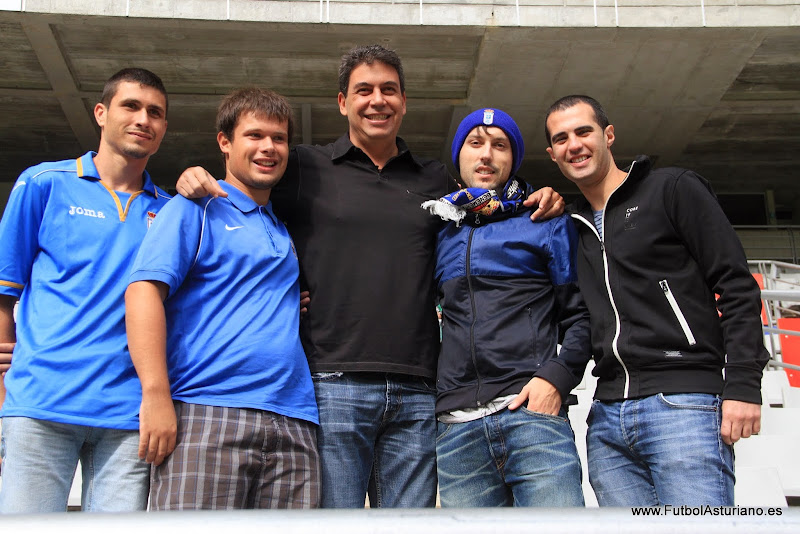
723 101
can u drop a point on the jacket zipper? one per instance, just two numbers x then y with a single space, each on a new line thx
676 309
617 322
472 325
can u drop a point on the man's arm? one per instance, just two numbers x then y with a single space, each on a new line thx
196 182
712 241
19 248
147 340
8 339
558 376
549 204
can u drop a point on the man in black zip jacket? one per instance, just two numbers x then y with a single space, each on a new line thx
509 295
678 382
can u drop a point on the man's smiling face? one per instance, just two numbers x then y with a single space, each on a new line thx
486 158
579 145
374 104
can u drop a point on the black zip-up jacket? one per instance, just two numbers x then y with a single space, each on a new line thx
509 295
650 287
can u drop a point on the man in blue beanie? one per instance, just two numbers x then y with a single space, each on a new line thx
509 296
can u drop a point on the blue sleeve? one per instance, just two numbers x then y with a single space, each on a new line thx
572 317
562 248
19 232
169 249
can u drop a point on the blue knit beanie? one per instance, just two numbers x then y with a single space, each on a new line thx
490 117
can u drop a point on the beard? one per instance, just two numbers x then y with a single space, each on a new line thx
135 152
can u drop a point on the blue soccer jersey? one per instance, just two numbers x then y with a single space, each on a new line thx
233 305
66 246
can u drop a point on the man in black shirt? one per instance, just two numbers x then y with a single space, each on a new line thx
366 252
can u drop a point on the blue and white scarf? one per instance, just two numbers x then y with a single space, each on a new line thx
481 202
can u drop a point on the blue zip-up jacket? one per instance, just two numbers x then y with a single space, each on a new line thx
509 295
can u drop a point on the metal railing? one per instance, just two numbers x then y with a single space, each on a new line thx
778 242
747 520
781 290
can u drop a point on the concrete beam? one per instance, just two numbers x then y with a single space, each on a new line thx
51 58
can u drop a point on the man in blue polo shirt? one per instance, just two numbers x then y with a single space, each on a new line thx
213 315
67 239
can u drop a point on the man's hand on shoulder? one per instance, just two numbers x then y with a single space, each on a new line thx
158 427
196 182
549 204
541 395
739 420
305 300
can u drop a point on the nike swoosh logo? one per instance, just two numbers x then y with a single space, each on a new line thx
233 227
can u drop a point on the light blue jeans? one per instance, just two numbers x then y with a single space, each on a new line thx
662 449
509 458
39 461
377 437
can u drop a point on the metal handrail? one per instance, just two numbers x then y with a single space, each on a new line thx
775 241
776 363
732 520
770 271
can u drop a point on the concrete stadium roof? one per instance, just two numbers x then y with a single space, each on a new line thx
722 100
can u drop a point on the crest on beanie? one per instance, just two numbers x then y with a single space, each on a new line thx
488 116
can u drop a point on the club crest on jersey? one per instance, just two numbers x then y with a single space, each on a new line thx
488 116
151 216
77 210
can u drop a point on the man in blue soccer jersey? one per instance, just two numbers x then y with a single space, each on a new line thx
68 236
213 324
509 295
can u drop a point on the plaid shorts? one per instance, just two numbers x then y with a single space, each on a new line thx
236 458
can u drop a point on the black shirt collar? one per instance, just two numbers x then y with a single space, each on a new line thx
344 148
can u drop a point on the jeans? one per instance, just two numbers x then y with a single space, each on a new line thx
662 449
509 458
39 461
377 437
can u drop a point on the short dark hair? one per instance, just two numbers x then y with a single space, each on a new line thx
369 54
133 75
257 101
567 102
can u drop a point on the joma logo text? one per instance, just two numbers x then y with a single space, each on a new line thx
86 211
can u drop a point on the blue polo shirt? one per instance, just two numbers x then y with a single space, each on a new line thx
66 246
233 306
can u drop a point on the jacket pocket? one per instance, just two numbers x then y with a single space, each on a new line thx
676 309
